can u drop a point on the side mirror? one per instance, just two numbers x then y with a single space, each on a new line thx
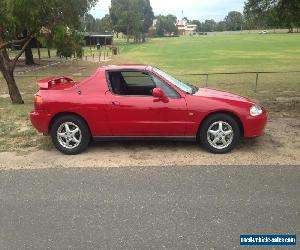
158 93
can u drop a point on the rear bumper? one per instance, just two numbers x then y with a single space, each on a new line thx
255 126
40 120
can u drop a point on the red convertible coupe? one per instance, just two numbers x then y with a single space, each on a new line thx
123 102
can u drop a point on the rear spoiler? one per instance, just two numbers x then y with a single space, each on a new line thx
49 82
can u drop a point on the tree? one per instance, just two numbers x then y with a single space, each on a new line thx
221 26
104 24
273 13
289 13
260 13
209 25
148 17
132 17
89 23
67 42
97 25
31 16
125 16
198 23
234 20
166 25
46 37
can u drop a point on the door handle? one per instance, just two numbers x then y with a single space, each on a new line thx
115 103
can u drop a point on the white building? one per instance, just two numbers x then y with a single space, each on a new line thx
185 29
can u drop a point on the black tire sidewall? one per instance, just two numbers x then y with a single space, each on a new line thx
85 133
214 118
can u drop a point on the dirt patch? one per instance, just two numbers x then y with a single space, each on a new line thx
4 96
280 146
289 108
39 64
294 99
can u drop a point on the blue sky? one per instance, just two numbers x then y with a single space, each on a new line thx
192 9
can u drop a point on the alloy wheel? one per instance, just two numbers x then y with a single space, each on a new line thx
69 135
220 135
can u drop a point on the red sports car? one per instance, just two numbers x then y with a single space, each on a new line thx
124 102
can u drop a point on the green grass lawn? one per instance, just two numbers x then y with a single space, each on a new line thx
219 53
225 53
178 56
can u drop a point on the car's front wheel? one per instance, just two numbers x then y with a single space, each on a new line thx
219 133
70 134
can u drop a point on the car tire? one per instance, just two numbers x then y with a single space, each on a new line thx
70 134
215 135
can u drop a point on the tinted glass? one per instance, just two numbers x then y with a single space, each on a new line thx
165 88
135 78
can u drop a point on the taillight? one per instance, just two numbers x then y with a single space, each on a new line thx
38 101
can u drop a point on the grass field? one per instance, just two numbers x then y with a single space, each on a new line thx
227 53
201 54
179 56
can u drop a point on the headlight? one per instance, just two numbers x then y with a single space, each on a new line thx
255 110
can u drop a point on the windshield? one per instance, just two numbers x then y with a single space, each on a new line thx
184 87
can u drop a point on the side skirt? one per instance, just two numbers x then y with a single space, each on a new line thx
144 138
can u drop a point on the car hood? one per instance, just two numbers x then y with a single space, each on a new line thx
219 94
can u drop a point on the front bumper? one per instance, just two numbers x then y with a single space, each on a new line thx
255 126
40 120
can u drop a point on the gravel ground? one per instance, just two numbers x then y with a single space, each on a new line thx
279 146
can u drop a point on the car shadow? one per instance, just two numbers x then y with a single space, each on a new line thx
243 145
176 145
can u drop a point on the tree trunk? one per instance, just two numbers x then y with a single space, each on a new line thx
14 92
127 33
28 55
143 37
38 49
28 52
8 74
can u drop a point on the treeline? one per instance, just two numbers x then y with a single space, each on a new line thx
166 24
272 14
233 21
257 14
92 24
134 17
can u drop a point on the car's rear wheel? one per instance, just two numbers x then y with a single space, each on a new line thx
70 134
219 133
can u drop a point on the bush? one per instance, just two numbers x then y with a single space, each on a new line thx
68 42
64 51
79 52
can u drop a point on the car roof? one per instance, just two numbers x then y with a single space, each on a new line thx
126 67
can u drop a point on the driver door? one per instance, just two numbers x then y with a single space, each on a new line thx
135 112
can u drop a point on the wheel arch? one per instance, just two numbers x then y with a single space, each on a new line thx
230 113
56 116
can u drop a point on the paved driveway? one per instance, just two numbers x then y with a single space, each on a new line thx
146 208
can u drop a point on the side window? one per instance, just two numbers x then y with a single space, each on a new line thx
169 91
138 83
131 83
